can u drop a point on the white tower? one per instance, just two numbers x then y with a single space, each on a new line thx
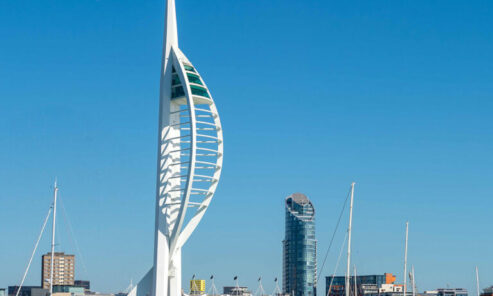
189 162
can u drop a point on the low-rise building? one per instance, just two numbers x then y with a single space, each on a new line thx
61 294
451 292
487 291
236 291
28 291
389 288
366 284
98 294
197 287
70 290
84 284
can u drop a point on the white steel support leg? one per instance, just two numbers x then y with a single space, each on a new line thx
168 204
160 279
175 275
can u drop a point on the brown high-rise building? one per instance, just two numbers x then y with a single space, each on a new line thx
63 269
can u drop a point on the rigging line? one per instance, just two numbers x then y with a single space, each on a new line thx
334 234
337 264
34 251
72 236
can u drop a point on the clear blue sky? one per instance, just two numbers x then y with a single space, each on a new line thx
395 95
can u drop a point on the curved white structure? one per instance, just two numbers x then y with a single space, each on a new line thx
190 155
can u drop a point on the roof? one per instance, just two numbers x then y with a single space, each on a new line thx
300 198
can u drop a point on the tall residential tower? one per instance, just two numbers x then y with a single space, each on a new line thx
299 247
189 161
63 269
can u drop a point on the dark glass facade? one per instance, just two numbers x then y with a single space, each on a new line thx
368 285
452 292
299 247
84 284
28 291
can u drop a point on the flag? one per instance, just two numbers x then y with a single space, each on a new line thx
236 277
275 280
212 276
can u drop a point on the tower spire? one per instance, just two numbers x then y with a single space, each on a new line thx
170 31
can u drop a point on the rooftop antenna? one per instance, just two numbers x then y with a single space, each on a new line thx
348 271
52 259
405 261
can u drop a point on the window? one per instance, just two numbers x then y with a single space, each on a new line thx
175 80
177 92
189 68
192 78
199 91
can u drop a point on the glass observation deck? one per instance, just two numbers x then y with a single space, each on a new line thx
199 91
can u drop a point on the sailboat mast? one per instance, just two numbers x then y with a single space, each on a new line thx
53 238
348 271
413 280
405 261
477 280
355 282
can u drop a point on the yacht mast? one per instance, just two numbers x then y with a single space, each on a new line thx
405 261
355 282
477 280
413 280
348 271
53 239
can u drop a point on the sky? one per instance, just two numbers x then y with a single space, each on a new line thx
394 95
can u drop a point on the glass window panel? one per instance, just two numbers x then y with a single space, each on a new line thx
192 78
199 91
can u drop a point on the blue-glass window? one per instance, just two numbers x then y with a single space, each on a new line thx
175 80
199 91
177 92
189 68
192 78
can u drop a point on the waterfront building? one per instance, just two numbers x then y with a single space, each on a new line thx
2 292
487 291
28 291
447 292
84 284
380 284
99 294
62 290
63 270
390 288
452 292
197 287
189 162
299 247
236 291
